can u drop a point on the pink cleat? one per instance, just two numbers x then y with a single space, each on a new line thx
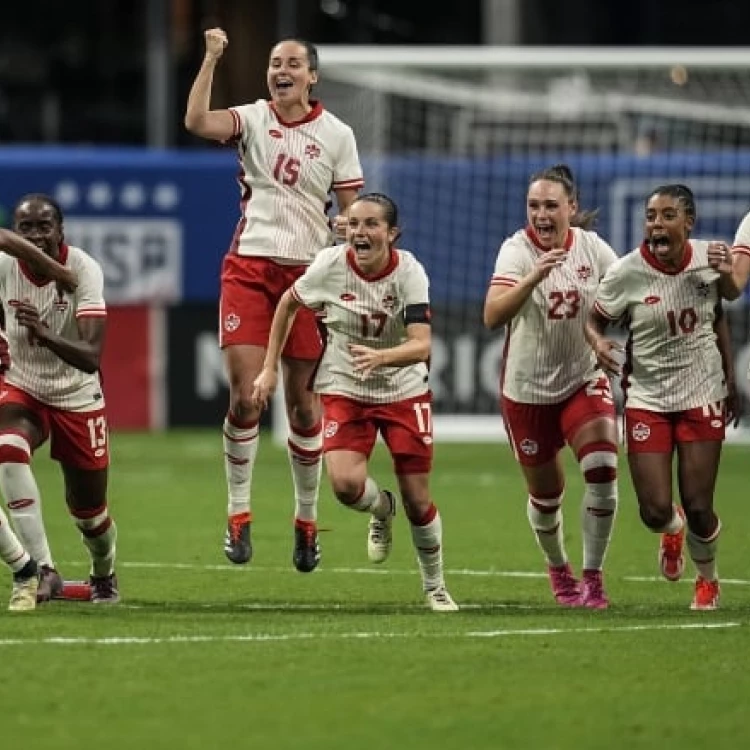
671 559
565 585
593 595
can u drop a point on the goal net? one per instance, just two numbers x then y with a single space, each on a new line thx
453 134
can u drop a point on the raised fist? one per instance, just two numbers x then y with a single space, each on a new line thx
216 41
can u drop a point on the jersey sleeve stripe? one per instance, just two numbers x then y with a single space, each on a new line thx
602 311
237 127
91 312
358 183
742 249
503 281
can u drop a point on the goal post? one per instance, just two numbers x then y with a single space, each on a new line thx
454 133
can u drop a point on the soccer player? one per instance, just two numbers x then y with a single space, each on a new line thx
674 381
292 154
52 390
733 264
374 304
24 568
552 392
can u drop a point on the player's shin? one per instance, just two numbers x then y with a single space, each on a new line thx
11 550
599 506
703 552
305 448
99 535
427 535
546 522
240 450
22 497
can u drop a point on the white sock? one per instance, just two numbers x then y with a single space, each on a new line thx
305 448
99 534
428 542
546 522
703 553
22 497
599 466
372 500
11 551
240 450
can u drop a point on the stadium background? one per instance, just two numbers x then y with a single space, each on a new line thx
91 105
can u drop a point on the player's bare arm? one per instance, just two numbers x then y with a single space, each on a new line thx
265 384
200 119
724 343
83 354
605 349
415 349
39 262
733 268
503 302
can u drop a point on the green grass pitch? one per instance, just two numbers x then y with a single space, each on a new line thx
202 654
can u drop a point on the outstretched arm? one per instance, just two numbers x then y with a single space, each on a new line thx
39 262
200 119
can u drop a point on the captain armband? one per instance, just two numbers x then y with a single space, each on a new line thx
417 314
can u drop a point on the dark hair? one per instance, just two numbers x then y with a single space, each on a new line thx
390 209
562 174
313 59
679 192
42 198
388 205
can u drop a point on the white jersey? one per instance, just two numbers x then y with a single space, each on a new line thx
741 242
34 369
287 171
359 310
547 358
674 363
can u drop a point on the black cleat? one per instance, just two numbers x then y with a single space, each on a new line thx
306 554
237 545
104 589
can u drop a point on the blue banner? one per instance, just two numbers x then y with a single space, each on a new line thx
160 222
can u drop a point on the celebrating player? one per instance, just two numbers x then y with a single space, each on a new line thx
733 264
24 568
374 304
675 380
292 152
552 393
52 390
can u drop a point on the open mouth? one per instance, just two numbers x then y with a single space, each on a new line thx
659 242
361 246
284 84
545 232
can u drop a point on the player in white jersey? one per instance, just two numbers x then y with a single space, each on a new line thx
292 154
24 568
52 391
552 392
374 304
674 378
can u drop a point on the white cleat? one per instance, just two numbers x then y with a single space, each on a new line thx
439 600
380 533
23 595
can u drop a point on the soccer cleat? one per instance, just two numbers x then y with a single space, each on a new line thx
104 589
50 584
706 595
565 586
439 600
25 585
237 544
671 558
593 595
380 532
306 555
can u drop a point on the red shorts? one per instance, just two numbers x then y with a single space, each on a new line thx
77 438
656 432
251 287
537 432
406 427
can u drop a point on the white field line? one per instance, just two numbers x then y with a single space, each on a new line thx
363 636
373 571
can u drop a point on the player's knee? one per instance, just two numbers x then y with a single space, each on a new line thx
700 518
656 517
304 416
14 449
347 489
242 407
